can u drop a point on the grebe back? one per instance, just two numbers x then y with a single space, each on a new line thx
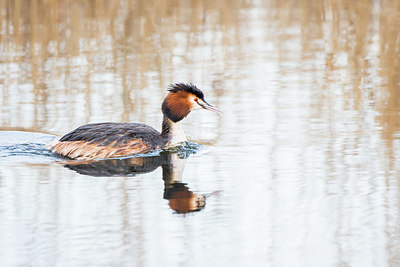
113 139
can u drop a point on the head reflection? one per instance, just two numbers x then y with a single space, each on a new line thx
180 198
178 194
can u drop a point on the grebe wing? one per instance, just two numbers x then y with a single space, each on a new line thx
106 140
108 132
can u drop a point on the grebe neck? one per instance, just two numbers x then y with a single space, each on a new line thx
172 131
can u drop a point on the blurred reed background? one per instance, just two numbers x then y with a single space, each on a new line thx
81 58
57 54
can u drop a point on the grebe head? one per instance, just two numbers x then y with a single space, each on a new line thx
183 98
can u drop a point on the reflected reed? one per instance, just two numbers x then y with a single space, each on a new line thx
64 52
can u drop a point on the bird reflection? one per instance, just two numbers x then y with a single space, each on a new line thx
181 199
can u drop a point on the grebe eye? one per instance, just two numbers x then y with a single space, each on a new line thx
195 100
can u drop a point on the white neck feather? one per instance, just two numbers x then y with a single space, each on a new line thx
173 131
177 134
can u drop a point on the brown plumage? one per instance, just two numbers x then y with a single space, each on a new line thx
111 139
108 140
85 150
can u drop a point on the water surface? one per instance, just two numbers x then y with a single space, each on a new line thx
301 169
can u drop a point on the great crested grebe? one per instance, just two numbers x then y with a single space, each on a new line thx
113 139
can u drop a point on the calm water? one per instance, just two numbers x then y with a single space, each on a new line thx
301 169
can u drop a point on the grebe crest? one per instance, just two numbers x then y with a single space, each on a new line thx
110 139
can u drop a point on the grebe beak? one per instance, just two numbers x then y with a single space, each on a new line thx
207 106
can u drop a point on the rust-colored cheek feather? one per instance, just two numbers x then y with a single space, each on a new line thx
179 104
85 150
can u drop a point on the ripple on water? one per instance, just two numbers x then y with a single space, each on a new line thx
28 147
